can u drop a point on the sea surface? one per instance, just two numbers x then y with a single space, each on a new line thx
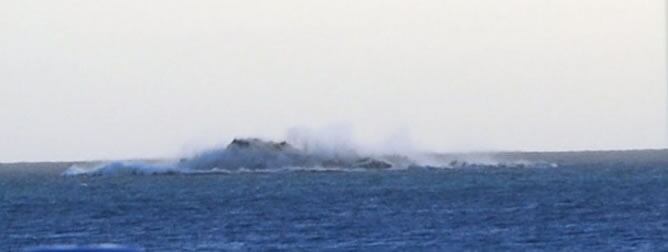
569 208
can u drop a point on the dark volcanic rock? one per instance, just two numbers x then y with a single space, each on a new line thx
255 153
370 163
257 144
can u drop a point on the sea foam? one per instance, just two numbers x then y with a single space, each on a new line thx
258 156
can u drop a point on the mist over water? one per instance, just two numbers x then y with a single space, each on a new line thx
326 149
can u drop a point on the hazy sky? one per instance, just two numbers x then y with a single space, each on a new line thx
126 78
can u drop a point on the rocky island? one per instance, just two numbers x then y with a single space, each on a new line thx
253 153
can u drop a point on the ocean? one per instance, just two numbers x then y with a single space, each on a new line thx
574 207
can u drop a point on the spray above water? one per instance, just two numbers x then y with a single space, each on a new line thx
252 155
304 151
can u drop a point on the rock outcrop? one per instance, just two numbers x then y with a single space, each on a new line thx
255 153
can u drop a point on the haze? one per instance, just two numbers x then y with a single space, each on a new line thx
98 79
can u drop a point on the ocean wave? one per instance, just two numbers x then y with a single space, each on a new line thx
90 248
133 168
123 168
142 169
258 156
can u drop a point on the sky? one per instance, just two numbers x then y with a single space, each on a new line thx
96 79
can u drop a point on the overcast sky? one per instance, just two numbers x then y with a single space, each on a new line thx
97 79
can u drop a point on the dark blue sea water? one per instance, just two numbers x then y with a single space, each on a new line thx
485 209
